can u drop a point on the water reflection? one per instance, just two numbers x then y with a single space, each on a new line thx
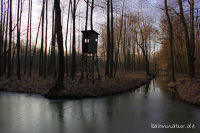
128 112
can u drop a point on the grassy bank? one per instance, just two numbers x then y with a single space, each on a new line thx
72 88
189 90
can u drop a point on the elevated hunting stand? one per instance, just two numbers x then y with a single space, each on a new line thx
89 58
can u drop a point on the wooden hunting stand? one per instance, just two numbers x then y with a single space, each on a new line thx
89 58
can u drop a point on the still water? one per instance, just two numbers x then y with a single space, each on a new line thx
130 112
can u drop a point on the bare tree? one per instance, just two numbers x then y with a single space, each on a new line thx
18 37
112 41
73 66
45 54
30 34
66 37
59 83
27 39
6 41
1 36
10 42
42 43
108 39
171 40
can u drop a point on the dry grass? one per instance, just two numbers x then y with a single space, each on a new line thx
72 88
189 90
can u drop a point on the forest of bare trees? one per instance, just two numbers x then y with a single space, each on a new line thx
181 38
130 40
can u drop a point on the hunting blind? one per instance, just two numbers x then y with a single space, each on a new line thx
89 60
89 41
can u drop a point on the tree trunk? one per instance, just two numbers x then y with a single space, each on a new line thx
66 38
190 58
30 34
42 42
73 69
86 15
5 45
171 40
192 36
59 83
1 37
112 41
27 41
108 39
10 41
91 17
18 40
45 54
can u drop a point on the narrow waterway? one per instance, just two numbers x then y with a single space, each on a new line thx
130 112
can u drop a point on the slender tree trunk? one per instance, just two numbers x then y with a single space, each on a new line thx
91 17
45 54
86 15
112 41
1 37
10 41
42 43
30 34
5 45
108 39
192 36
18 41
27 41
73 69
66 38
53 45
124 45
171 40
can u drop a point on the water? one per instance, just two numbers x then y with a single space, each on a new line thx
130 112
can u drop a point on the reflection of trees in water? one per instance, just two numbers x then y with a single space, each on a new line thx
59 108
162 82
174 94
146 89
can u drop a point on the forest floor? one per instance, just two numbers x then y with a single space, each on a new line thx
73 88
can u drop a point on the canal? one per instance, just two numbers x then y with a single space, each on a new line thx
136 111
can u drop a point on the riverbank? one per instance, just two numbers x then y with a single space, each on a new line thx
74 89
189 90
